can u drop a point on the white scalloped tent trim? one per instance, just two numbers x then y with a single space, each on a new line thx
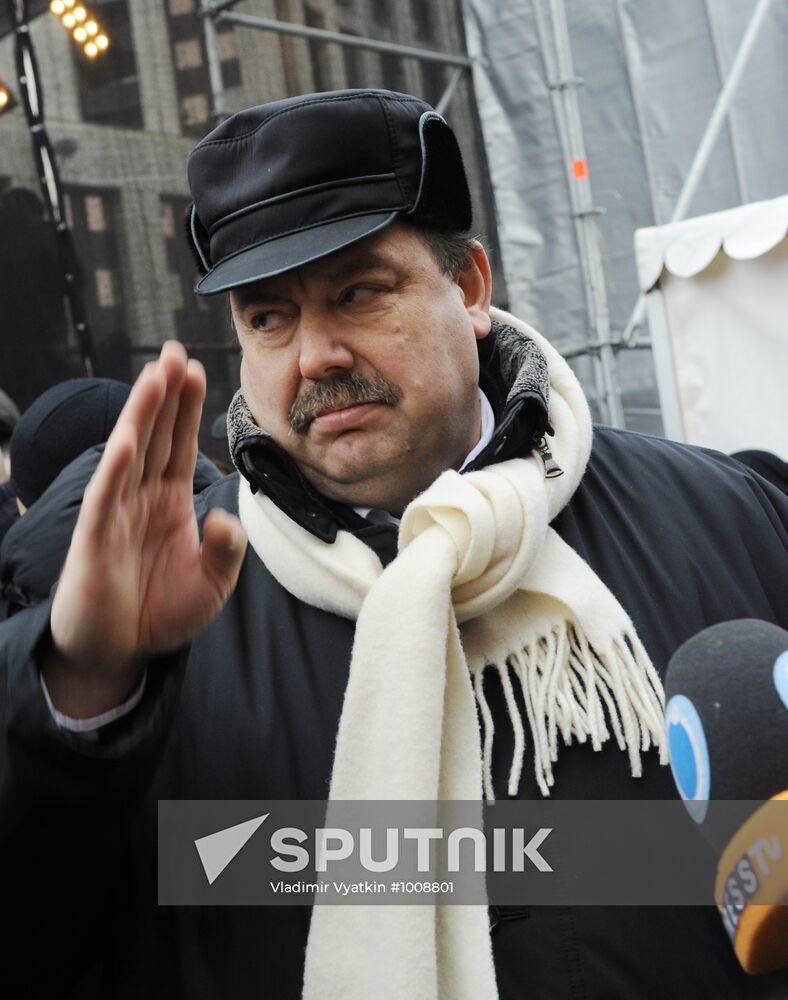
687 248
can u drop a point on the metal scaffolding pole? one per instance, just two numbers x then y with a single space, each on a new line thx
351 41
219 11
214 69
449 92
567 353
564 91
706 146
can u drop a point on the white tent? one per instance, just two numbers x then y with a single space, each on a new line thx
718 312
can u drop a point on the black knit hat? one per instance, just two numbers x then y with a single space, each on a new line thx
281 184
63 422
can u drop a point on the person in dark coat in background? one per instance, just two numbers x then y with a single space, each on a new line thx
388 417
62 423
33 551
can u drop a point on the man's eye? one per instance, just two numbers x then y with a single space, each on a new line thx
360 293
265 320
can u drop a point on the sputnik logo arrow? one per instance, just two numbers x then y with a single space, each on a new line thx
218 849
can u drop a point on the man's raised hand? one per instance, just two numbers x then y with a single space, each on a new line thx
136 580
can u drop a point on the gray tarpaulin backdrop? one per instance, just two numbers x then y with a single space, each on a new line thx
652 70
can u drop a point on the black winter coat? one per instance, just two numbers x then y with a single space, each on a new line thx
683 537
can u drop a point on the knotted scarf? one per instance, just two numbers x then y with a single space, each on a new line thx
481 581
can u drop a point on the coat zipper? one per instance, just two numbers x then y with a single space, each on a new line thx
551 468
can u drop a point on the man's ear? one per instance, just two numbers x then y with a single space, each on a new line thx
475 283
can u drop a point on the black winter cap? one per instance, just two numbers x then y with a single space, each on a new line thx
282 184
63 422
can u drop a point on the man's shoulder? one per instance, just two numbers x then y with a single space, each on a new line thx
633 450
650 472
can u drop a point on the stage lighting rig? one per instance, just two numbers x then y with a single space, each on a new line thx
85 29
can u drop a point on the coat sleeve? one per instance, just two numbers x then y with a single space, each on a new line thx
67 802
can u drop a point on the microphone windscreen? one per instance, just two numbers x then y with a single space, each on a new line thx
727 727
727 712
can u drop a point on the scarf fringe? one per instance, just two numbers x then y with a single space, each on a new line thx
573 690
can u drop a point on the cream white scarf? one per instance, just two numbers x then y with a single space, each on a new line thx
481 582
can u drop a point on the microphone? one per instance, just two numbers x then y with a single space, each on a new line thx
727 727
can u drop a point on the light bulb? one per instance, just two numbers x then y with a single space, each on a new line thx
91 50
80 13
69 21
102 41
92 28
57 7
80 35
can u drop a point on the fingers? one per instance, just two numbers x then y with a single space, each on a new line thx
155 432
104 490
223 548
138 418
183 453
172 367
122 463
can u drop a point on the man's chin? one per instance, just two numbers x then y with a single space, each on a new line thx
358 483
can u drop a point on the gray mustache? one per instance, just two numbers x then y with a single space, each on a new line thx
347 389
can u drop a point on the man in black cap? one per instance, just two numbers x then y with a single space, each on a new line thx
63 423
60 424
388 417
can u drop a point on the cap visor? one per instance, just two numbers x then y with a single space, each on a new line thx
288 252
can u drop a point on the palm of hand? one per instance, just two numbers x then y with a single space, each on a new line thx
136 580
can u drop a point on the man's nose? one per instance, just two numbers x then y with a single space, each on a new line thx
323 350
